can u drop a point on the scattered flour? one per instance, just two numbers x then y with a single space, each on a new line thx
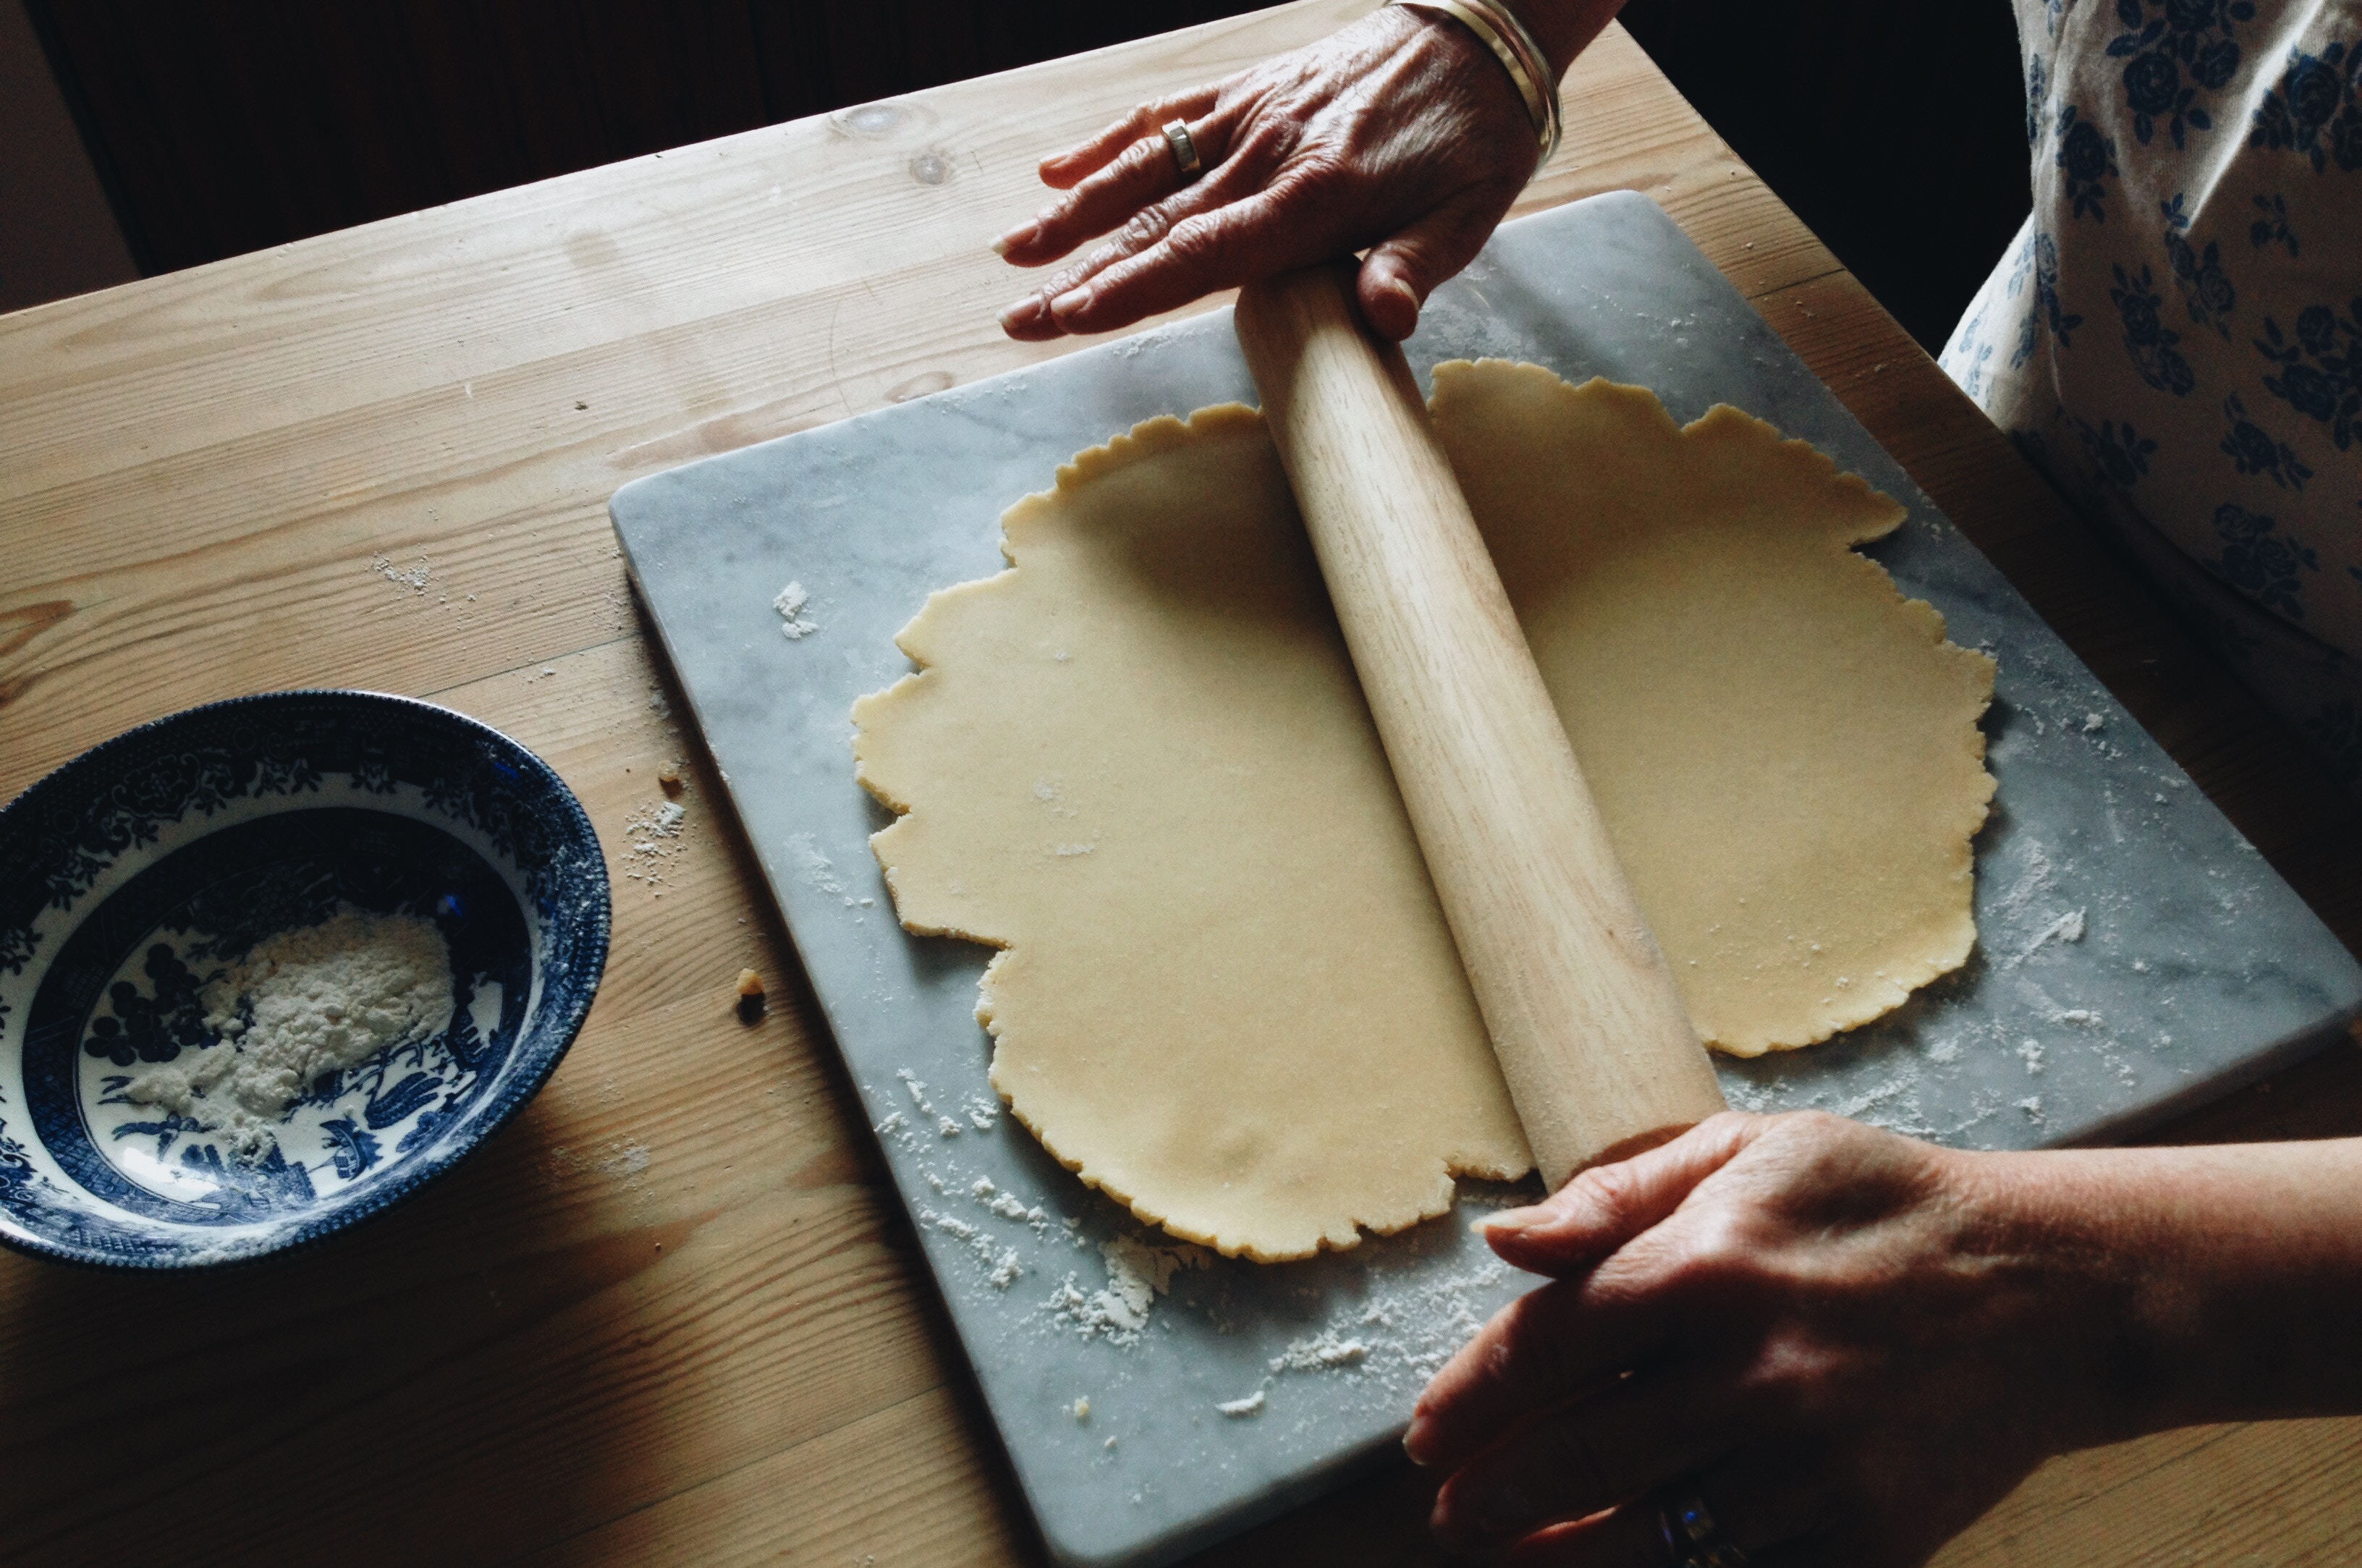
2037 878
1323 1352
629 1159
1001 1267
2030 1051
658 819
2067 927
1008 1205
652 844
944 1125
819 871
415 578
302 1006
1442 1315
2020 905
789 603
1382 1351
1137 1275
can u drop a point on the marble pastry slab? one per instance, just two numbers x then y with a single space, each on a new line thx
2137 955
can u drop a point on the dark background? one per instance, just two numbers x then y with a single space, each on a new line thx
1894 127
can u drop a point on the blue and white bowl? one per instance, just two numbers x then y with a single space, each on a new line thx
130 873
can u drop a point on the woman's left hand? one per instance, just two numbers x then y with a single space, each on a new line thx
1846 1343
1397 132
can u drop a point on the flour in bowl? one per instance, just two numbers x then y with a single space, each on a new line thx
302 1006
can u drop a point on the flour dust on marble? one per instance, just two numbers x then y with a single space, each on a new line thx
1107 1281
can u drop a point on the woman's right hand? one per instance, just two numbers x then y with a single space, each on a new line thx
1847 1344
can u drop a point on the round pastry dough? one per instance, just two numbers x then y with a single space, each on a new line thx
1139 764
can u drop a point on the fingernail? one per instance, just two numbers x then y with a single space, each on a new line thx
1415 1441
1510 1222
1071 303
1024 310
1023 234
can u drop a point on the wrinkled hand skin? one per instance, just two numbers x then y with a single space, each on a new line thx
1853 1342
1398 133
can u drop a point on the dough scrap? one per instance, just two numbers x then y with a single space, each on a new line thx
1139 764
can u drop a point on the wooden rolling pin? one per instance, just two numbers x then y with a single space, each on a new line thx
1591 1035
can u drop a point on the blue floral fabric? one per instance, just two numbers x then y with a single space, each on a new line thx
2175 337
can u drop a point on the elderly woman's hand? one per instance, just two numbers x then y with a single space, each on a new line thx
1849 1343
1399 133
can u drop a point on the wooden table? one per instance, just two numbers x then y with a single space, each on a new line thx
673 1313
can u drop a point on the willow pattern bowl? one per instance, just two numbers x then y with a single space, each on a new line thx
155 862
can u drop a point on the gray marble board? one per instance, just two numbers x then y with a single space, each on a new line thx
2137 955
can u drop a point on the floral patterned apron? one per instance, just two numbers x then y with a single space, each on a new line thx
2175 337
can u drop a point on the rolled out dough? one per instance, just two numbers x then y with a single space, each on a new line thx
1138 763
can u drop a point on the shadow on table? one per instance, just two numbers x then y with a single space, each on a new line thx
439 1384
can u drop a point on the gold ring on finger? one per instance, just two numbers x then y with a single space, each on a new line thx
1184 150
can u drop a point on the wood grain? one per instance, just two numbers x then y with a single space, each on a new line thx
1592 1038
199 474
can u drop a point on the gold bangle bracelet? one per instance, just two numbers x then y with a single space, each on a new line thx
1500 30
